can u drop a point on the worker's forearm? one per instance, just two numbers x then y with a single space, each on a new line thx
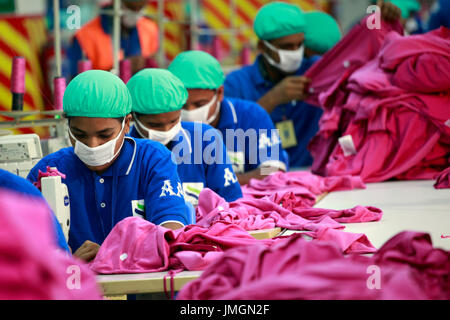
258 174
172 225
269 101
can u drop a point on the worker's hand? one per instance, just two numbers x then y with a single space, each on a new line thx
389 11
87 251
172 225
291 88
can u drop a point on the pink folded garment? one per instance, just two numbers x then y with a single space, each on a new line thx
32 267
443 179
406 267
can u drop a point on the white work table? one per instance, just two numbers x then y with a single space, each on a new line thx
406 205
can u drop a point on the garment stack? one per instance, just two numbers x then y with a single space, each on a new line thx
388 117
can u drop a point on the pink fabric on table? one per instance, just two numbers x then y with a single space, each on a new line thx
406 267
359 46
443 179
138 246
257 214
133 246
32 267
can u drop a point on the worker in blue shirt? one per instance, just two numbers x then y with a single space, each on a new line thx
110 176
251 140
275 80
200 153
20 185
439 15
138 37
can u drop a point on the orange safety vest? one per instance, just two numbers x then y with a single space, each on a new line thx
98 47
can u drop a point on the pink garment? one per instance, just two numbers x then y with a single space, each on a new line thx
406 267
399 130
257 214
443 179
49 173
360 45
32 267
304 185
138 246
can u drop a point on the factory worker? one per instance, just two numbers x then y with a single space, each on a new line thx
275 80
12 182
410 21
252 142
139 39
199 151
110 176
322 32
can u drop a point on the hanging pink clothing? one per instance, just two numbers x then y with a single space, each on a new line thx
360 45
406 267
443 179
32 267
304 185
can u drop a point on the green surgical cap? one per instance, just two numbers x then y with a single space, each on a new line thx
407 7
97 94
156 91
198 70
278 19
322 31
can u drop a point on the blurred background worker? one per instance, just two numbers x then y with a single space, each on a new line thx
275 80
110 176
439 15
252 142
200 153
322 32
139 39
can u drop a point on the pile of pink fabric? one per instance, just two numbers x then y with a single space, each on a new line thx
406 267
32 267
443 179
135 245
394 107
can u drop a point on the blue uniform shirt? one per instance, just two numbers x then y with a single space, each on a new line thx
194 146
142 181
250 136
130 44
249 83
15 183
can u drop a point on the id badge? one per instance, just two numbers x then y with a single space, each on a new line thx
287 133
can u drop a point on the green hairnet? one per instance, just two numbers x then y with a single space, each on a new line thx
156 91
278 19
407 6
322 31
197 70
97 94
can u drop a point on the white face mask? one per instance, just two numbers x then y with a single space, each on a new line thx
130 18
201 114
97 156
161 136
290 60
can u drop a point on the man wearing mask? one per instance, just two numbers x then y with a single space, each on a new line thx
139 39
200 153
253 145
110 176
275 80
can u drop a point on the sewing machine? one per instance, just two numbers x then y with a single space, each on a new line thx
19 153
57 196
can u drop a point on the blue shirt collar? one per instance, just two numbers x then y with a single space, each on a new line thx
124 162
228 116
